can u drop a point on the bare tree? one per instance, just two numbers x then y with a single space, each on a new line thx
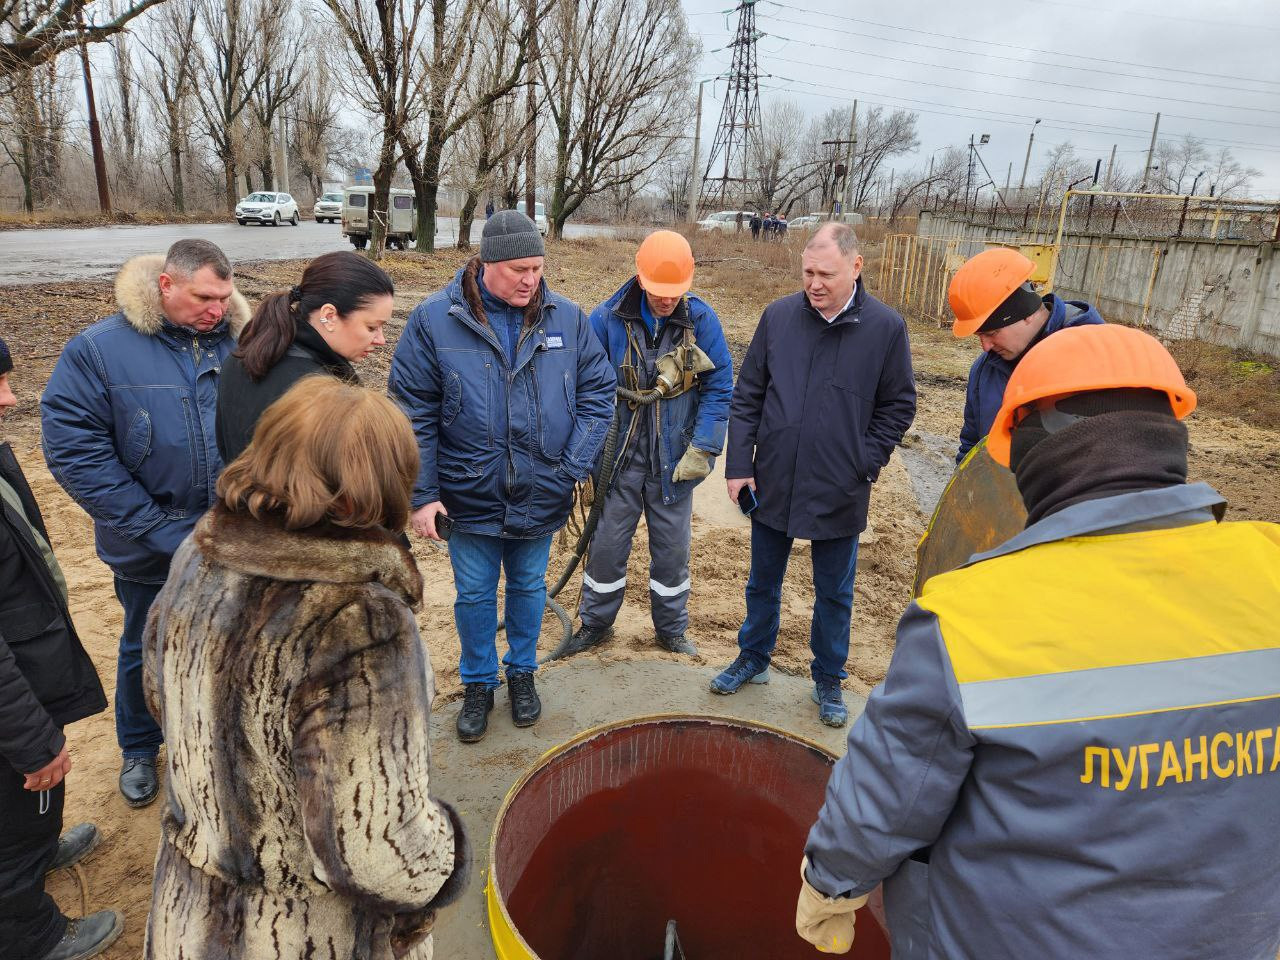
315 119
170 46
1063 166
881 137
124 112
281 37
32 32
381 37
617 75
33 129
784 171
1189 159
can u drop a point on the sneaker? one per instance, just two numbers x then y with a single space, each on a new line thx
747 668
677 644
526 708
473 718
584 639
74 845
139 783
830 700
88 936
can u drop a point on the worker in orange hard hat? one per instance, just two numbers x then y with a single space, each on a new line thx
675 380
991 295
1081 714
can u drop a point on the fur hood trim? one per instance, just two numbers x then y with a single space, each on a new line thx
138 296
325 554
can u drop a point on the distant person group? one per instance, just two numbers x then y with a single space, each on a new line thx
771 225
251 498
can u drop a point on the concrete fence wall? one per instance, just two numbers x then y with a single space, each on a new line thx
1223 291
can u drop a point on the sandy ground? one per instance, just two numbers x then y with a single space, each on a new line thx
1239 458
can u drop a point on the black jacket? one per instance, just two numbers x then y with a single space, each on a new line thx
46 678
241 401
817 411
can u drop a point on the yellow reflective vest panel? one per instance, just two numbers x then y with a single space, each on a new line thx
1084 728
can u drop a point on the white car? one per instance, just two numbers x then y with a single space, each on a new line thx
726 221
540 218
264 208
328 207
808 222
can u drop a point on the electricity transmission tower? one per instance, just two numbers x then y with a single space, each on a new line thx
727 178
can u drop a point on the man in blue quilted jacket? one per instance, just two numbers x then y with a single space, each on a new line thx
510 395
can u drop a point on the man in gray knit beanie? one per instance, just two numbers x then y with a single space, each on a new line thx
510 395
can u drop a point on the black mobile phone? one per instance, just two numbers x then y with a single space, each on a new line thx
444 526
747 501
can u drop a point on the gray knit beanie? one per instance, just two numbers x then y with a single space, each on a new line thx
510 235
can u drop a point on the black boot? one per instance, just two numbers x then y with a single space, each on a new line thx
74 845
585 638
526 708
677 644
473 718
138 781
88 937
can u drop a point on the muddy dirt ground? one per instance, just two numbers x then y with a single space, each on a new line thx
1240 458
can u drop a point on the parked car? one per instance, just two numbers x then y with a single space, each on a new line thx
809 222
540 218
328 207
402 219
264 208
725 220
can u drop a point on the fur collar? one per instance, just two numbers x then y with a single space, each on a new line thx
328 554
138 297
471 294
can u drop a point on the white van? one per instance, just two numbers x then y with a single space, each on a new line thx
401 230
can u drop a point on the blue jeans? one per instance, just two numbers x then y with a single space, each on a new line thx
136 730
476 561
834 563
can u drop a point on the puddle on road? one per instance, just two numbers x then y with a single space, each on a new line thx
930 461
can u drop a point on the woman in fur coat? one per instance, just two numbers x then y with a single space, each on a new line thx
284 663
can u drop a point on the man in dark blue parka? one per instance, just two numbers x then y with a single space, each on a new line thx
825 393
510 395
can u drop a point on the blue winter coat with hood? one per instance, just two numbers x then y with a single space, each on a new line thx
127 420
990 373
501 444
698 417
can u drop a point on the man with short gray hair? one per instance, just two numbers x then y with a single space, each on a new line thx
825 393
128 431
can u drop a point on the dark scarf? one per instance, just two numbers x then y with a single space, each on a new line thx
1100 456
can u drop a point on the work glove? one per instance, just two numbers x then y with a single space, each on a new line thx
694 465
826 922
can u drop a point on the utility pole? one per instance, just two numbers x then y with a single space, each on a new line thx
695 182
284 157
968 174
1106 181
846 206
531 115
1022 184
1151 152
95 134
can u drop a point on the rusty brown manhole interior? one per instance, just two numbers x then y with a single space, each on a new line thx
624 829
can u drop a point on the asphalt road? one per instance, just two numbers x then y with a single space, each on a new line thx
36 256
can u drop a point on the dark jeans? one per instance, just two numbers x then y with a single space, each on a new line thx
30 922
834 563
136 730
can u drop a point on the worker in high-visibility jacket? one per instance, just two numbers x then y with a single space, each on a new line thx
1076 750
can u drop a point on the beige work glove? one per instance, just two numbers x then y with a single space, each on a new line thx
694 465
826 922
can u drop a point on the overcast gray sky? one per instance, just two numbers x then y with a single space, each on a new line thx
1096 72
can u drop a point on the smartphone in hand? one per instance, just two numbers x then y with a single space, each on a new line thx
747 501
444 526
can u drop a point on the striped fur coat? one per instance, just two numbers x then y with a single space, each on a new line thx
295 693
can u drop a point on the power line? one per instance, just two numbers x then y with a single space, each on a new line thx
1233 24
1022 47
1018 60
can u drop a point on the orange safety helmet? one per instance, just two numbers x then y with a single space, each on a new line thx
983 283
1083 359
664 264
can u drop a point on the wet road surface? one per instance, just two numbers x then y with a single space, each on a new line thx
41 256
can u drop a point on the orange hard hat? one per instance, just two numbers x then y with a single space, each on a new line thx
664 264
983 283
1081 359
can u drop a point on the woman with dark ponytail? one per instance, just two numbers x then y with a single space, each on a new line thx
332 318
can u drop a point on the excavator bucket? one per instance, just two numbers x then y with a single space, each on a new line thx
980 509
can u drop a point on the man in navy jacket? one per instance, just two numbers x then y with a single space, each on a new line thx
510 395
825 393
128 429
